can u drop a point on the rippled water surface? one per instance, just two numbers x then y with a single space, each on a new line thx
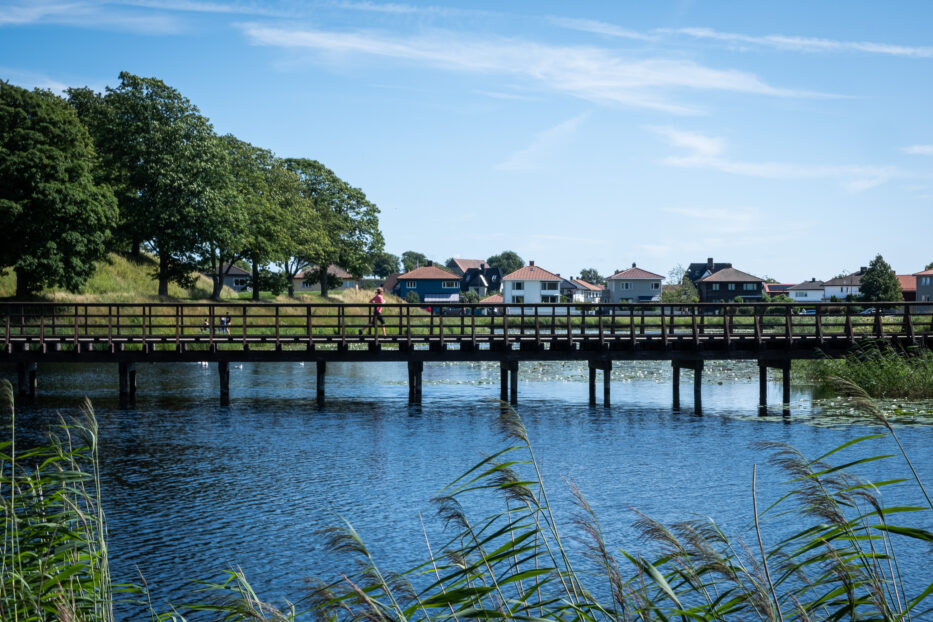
191 488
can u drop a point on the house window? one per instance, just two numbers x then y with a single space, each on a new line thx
549 286
518 285
411 284
548 298
626 285
924 280
731 286
451 285
656 285
518 299
715 287
750 287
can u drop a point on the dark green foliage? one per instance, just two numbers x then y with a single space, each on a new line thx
590 275
880 370
412 260
385 264
469 296
507 261
55 220
929 266
879 283
345 230
412 297
172 171
683 293
269 281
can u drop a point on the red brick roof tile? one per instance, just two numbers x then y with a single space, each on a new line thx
428 272
908 282
635 273
492 299
531 273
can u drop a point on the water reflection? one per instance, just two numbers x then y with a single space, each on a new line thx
191 487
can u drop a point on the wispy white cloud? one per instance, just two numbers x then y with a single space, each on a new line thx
591 73
706 152
32 80
919 149
87 15
501 95
600 28
544 146
803 44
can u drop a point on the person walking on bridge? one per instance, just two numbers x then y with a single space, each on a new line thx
377 300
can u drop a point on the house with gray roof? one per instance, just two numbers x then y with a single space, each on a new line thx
808 291
726 284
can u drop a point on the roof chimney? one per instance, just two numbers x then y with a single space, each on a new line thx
862 270
709 264
813 280
633 264
531 263
531 266
430 263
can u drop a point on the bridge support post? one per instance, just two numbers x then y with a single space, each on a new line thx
127 373
762 386
21 379
223 370
697 367
606 367
321 371
32 371
508 381
785 386
415 373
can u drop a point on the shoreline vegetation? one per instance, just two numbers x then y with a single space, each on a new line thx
842 562
881 370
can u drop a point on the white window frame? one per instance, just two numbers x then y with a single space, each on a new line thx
518 286
450 284
749 287
411 284
549 286
715 287
518 299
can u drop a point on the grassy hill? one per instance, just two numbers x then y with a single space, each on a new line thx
121 279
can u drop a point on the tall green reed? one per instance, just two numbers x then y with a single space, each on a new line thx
880 369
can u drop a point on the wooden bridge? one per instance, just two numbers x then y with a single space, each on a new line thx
686 334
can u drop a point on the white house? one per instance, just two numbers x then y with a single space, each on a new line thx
808 291
530 284
578 290
345 277
843 286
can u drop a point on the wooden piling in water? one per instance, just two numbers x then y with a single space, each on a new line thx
223 371
321 372
415 374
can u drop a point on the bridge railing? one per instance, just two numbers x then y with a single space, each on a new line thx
230 324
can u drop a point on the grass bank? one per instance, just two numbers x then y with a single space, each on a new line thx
881 370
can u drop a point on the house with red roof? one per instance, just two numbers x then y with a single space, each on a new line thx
634 285
531 284
432 284
908 286
578 290
303 283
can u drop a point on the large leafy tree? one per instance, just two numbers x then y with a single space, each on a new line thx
170 168
348 221
413 259
679 288
55 220
507 261
385 264
879 282
264 193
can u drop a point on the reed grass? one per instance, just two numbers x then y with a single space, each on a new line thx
881 370
841 563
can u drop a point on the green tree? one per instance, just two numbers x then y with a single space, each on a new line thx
929 266
173 171
55 221
879 283
469 296
679 288
412 297
507 261
412 260
590 275
266 192
349 222
385 264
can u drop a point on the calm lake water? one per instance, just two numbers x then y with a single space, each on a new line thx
192 488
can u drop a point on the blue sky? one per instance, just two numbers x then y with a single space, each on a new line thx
793 139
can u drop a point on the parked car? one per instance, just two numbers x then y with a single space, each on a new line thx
868 311
807 312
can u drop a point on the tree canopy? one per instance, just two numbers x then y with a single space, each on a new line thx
412 260
55 220
347 223
507 261
590 275
385 264
879 282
